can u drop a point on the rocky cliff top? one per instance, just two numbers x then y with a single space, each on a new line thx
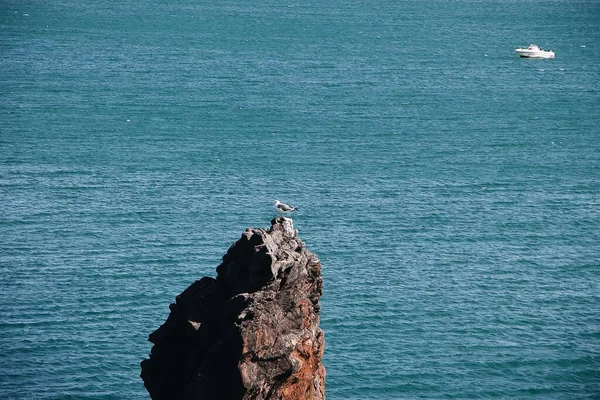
251 333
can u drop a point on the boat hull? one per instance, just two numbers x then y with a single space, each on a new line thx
525 53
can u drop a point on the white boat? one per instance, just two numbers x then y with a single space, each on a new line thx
535 51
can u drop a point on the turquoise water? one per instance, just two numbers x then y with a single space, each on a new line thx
450 188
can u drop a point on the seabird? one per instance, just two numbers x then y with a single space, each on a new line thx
282 207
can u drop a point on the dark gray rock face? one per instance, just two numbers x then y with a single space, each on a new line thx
251 333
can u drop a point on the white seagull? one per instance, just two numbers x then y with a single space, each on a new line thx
282 207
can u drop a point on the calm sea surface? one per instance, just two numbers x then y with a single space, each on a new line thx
450 188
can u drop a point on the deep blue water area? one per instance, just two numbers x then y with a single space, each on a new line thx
450 188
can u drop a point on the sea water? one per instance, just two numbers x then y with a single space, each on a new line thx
450 188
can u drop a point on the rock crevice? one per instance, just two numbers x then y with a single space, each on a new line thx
251 333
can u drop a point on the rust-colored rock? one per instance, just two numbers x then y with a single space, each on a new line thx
251 333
